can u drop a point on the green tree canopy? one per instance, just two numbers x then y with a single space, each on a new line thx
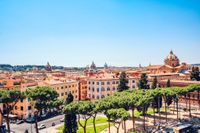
9 98
41 98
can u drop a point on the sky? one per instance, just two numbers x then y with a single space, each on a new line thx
118 32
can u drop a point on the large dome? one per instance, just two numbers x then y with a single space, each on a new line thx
172 60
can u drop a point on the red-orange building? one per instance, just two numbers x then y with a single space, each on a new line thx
82 88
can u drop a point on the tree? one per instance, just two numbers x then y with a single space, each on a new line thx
9 98
85 109
55 104
107 103
154 83
157 101
143 104
127 102
123 82
117 116
70 98
70 124
143 82
96 110
168 83
40 98
167 97
195 74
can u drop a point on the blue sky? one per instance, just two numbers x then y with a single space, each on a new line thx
119 32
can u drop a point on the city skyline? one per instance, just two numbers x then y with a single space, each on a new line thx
75 33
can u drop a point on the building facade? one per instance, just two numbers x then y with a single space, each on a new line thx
64 88
105 85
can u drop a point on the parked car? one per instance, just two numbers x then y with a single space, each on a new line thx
42 126
62 120
19 122
45 115
53 124
30 120
12 121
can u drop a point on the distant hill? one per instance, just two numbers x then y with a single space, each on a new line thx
8 67
198 64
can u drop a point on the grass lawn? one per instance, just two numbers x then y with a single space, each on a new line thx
150 112
90 129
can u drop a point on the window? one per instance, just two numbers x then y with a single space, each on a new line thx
117 82
21 100
108 89
93 83
133 81
102 83
113 88
113 82
102 89
97 83
15 107
62 87
92 96
97 97
22 108
108 94
89 88
66 87
93 89
89 82
97 89
29 107
102 96
65 93
62 94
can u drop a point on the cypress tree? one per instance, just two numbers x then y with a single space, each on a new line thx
143 82
123 82
70 124
154 83
168 83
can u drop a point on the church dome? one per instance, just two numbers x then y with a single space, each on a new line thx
172 60
93 66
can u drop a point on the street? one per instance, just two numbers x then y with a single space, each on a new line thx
48 123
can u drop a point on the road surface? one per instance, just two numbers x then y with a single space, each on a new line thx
48 123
